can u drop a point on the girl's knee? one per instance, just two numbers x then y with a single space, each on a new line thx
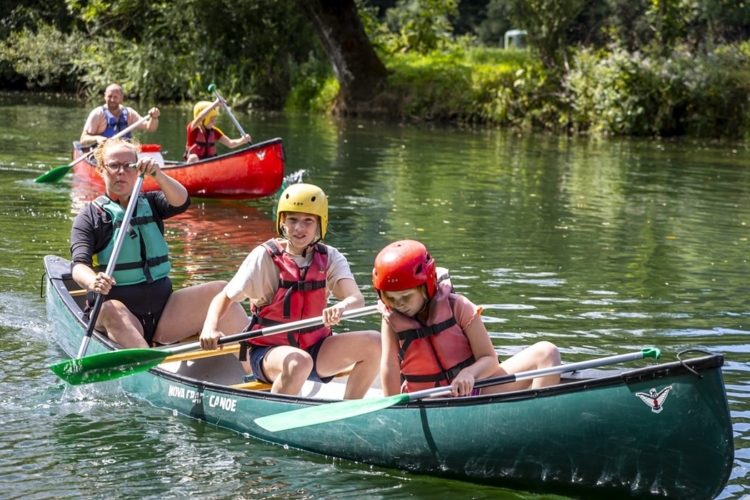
549 352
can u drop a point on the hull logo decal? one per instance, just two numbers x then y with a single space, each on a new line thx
655 399
261 155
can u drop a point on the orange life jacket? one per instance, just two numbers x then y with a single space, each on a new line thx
204 145
431 355
299 296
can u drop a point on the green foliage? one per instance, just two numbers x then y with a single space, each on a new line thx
412 25
619 92
472 86
43 55
547 22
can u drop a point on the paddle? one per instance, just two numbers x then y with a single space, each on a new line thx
212 88
58 173
111 265
331 412
121 363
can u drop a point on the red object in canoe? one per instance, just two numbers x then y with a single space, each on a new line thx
249 173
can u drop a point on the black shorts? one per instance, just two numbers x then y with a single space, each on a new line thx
258 352
146 302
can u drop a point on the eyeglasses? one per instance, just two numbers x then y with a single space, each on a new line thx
115 166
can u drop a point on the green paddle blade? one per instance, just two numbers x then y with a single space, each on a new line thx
54 175
108 365
329 412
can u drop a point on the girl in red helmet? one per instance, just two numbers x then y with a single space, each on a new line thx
432 337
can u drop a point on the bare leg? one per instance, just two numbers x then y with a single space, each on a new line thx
120 324
361 349
540 355
288 368
186 311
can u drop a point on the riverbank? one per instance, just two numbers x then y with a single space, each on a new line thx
604 92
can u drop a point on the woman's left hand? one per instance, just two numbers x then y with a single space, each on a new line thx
147 166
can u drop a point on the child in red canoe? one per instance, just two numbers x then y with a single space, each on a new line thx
432 337
203 134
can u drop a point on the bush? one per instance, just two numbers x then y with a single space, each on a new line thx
630 93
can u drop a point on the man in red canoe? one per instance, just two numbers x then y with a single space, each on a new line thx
107 120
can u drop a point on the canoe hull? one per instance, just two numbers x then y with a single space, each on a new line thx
249 173
590 438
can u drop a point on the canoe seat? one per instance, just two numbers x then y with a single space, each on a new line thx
230 349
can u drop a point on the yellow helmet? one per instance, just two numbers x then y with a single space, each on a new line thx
305 198
198 109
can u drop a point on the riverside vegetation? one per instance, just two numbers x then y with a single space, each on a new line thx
617 67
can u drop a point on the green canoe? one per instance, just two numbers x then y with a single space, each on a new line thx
651 430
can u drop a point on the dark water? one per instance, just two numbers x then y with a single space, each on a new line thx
602 247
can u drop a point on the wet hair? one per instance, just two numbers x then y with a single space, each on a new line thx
131 144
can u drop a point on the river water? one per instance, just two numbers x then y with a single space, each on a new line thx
602 247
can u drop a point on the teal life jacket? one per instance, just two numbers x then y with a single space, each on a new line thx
144 253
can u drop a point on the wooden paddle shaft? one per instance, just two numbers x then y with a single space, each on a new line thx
272 330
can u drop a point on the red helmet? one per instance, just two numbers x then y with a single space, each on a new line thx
402 265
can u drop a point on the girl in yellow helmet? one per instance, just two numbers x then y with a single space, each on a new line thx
290 278
203 134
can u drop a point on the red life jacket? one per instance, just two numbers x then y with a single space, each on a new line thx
298 297
204 145
431 355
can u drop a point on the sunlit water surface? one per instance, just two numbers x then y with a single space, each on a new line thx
602 247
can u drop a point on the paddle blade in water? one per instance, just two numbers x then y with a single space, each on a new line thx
329 412
108 365
54 175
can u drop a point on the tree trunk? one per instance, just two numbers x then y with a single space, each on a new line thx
361 74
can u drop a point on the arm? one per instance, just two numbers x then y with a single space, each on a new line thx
233 143
174 192
211 333
485 363
84 242
390 369
91 129
153 122
347 291
203 114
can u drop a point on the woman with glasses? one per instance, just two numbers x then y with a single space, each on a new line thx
139 305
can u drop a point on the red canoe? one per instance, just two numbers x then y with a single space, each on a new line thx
249 173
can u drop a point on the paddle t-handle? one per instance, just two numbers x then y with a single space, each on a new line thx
212 89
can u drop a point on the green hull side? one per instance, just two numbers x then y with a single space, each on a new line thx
592 439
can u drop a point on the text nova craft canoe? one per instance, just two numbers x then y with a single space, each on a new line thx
253 172
657 431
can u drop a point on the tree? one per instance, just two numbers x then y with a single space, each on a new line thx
360 73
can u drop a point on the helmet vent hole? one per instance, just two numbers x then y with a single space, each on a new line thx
313 199
419 269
